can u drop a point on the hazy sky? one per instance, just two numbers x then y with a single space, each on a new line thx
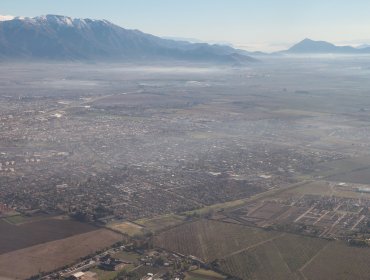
252 24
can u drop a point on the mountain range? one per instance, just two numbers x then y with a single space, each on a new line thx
54 37
308 46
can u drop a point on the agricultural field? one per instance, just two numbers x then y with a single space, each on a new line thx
52 255
110 275
105 275
127 256
358 176
16 237
341 167
8 213
326 188
145 225
280 258
217 207
251 253
128 228
19 219
315 188
210 240
143 270
261 262
202 274
161 222
340 262
16 219
296 250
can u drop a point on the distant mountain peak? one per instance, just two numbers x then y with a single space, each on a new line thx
307 40
311 45
308 46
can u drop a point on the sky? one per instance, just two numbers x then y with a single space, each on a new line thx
265 25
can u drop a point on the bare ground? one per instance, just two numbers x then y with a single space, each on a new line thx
27 262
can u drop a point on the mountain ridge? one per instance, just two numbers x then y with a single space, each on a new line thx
55 37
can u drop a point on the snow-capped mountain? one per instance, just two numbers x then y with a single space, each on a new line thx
56 37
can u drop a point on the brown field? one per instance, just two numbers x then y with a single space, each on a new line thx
262 262
251 253
16 237
210 240
297 250
30 261
340 262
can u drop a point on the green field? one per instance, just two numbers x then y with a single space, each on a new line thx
18 219
105 275
342 166
202 274
360 176
128 256
143 226
324 188
21 219
128 228
110 275
217 207
161 222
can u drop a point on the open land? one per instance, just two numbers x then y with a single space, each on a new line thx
54 254
251 253
15 237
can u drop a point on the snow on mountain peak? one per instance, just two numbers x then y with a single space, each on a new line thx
60 20
66 21
56 20
6 17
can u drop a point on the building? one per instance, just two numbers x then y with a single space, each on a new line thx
112 265
84 276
